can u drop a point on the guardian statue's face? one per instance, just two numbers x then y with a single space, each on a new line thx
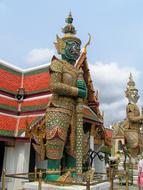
72 51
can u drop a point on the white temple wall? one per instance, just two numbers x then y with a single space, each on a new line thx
16 160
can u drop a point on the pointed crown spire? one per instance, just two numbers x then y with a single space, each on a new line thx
131 90
69 30
131 83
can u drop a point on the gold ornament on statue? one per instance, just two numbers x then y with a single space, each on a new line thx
60 45
88 43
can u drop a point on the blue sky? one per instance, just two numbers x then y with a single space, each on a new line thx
29 27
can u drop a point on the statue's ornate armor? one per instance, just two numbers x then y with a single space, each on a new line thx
60 114
132 133
132 113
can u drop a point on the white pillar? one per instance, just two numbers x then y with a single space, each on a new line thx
16 160
92 147
99 165
9 165
41 164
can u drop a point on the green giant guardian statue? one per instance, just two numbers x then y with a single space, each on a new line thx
60 121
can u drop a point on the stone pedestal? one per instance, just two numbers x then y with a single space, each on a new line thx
34 185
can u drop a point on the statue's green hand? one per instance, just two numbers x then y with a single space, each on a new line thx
81 84
82 90
82 93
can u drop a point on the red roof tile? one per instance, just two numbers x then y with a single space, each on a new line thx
7 123
34 105
108 137
8 102
10 123
36 82
36 102
108 132
86 111
9 81
25 120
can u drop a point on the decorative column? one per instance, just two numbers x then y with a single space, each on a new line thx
79 131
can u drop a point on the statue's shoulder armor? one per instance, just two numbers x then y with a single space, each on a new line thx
56 66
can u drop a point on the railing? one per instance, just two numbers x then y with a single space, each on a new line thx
114 174
38 177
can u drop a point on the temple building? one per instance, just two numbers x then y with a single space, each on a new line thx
24 95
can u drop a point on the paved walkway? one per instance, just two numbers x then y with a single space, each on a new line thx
117 187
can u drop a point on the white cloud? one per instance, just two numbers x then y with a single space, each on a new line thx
111 81
39 56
